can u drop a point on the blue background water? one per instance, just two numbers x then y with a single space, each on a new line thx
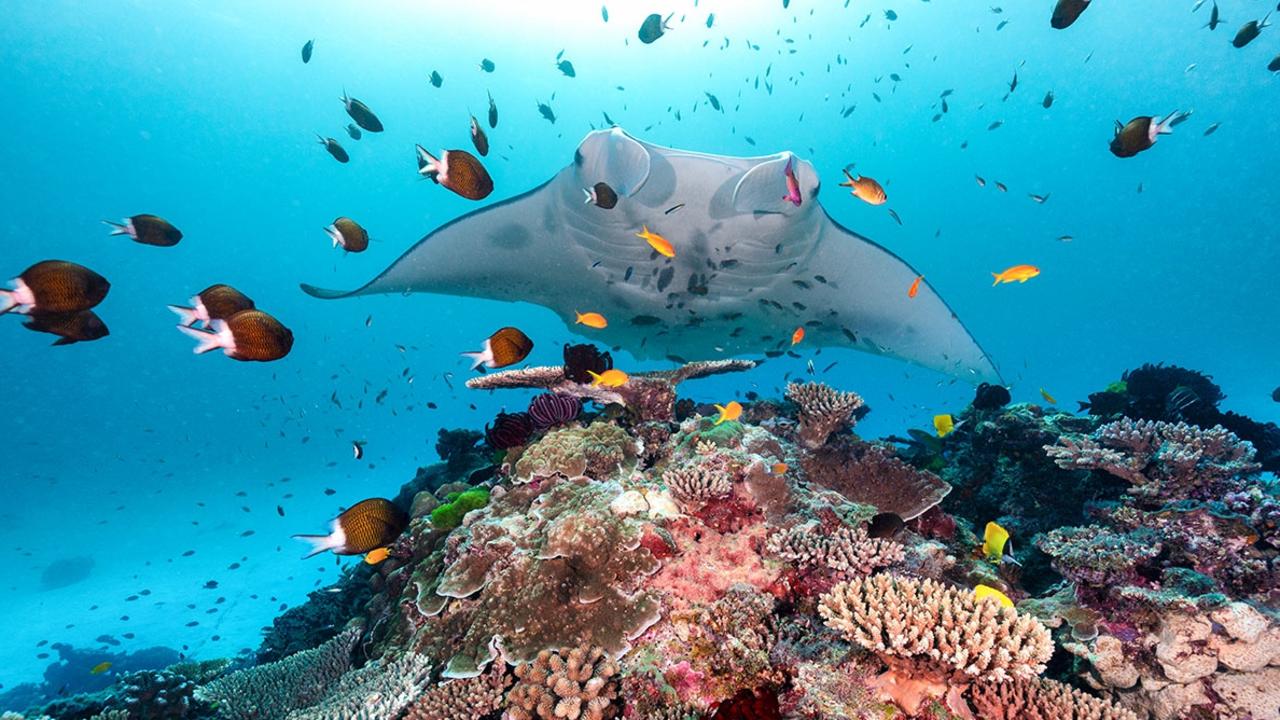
132 451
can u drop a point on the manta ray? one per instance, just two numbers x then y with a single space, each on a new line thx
750 267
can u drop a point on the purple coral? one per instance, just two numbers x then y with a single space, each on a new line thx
1163 461
549 410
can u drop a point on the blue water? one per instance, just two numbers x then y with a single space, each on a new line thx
132 451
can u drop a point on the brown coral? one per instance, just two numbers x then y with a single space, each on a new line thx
1038 699
934 638
696 483
566 684
872 475
596 451
843 550
467 699
822 410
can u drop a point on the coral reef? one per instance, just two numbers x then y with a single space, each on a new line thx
871 474
646 563
1041 700
823 410
276 689
574 684
934 638
597 450
466 699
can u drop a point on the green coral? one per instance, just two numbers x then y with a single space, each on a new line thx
449 515
596 451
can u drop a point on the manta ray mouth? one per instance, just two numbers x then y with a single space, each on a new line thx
749 266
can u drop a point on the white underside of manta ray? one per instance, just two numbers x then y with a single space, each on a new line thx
749 267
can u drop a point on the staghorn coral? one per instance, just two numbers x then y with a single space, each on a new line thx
1162 461
596 450
697 483
844 550
934 638
870 474
1037 699
377 691
568 684
822 411
274 689
467 699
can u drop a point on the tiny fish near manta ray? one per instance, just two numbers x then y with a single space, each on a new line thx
504 252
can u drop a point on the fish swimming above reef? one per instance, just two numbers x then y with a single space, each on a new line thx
505 252
361 528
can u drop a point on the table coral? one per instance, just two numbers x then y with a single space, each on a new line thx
870 474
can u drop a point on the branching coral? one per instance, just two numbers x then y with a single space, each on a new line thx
933 637
376 691
596 450
843 550
155 695
822 411
1096 556
1163 461
467 699
697 483
870 474
568 684
275 689
1037 699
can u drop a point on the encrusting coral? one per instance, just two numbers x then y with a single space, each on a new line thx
822 411
934 638
569 684
598 450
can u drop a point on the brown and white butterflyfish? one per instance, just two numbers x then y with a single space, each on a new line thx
366 526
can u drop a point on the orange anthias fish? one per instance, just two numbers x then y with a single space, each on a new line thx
1017 273
915 287
797 336
376 556
660 244
609 378
732 411
865 189
591 320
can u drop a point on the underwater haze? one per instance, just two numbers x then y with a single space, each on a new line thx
151 493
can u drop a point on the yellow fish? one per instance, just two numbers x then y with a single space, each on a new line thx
100 668
1047 397
1017 273
944 424
657 242
376 556
986 591
591 320
994 539
609 378
779 468
732 411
